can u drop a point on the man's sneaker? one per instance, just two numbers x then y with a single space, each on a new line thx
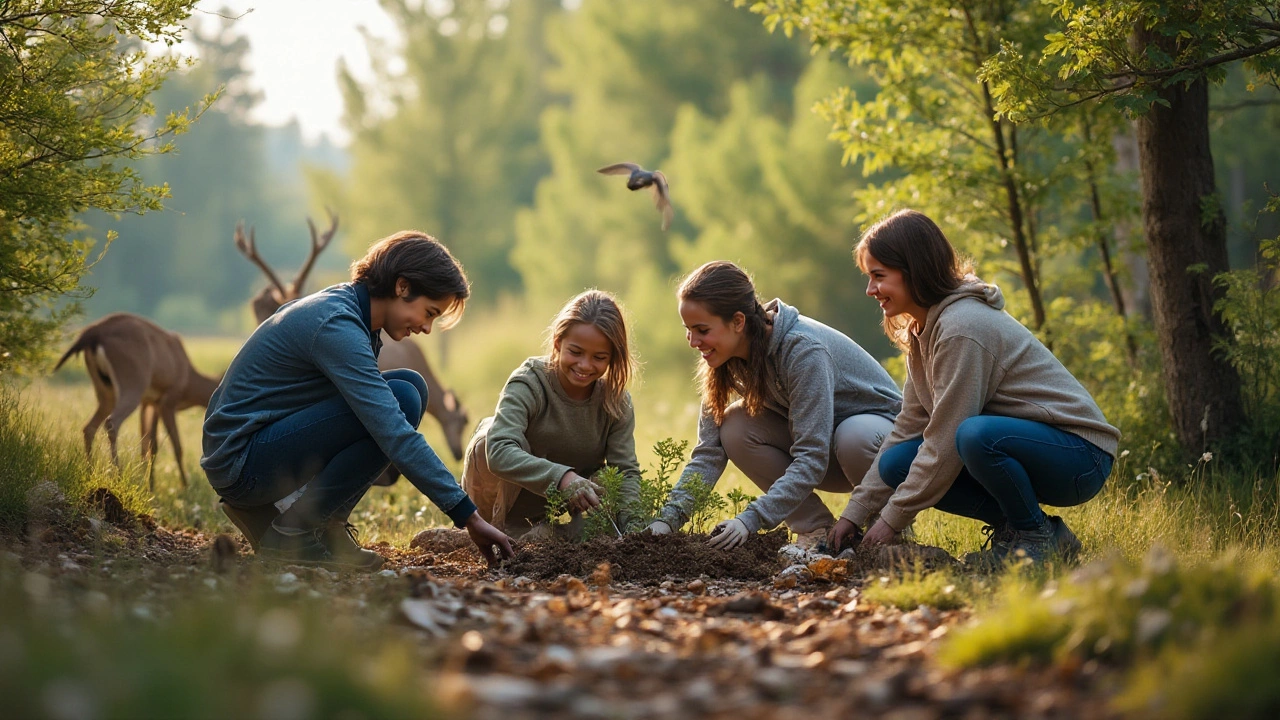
340 539
814 541
303 548
252 522
1066 544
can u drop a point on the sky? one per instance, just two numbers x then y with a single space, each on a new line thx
295 47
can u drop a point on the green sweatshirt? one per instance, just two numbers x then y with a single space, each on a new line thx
539 433
971 358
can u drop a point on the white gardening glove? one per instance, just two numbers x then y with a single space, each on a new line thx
658 527
728 535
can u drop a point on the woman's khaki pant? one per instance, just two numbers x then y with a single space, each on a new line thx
760 447
501 503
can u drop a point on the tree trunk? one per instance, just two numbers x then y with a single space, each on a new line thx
1185 249
1017 221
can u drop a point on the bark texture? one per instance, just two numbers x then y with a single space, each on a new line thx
1177 182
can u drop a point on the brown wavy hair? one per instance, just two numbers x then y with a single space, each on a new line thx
424 262
725 290
910 242
601 309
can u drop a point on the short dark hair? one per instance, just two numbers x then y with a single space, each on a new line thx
424 262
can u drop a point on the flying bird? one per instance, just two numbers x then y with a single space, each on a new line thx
639 178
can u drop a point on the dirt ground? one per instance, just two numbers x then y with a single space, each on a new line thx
640 627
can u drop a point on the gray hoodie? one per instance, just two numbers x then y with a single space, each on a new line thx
818 378
971 358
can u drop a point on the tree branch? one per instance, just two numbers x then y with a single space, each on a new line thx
1206 63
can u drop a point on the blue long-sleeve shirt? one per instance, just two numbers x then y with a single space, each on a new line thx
310 350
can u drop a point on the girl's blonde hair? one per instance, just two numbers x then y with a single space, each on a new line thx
908 241
600 309
725 290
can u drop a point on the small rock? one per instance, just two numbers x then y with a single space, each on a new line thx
388 573
800 572
697 587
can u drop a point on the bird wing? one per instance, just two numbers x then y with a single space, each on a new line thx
662 198
625 168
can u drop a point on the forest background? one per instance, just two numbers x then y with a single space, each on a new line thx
484 122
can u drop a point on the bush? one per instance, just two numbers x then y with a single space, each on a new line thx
1116 611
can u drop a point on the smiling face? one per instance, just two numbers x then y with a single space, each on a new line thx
582 357
714 338
403 317
888 286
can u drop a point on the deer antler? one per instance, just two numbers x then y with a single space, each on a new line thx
318 244
247 248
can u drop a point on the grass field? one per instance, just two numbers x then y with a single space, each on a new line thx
1197 513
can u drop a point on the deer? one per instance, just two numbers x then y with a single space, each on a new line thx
442 403
133 362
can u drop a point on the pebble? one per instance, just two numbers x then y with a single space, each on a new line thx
697 587
387 573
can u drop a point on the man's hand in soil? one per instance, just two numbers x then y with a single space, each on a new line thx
579 492
843 535
657 527
880 534
728 535
486 536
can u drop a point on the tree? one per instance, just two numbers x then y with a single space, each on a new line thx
74 84
628 71
1155 61
930 131
774 195
445 137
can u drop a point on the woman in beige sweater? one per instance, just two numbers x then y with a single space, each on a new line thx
992 424
560 418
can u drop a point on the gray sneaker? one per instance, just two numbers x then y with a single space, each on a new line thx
995 548
1065 542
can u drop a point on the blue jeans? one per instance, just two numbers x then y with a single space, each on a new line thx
1011 466
325 447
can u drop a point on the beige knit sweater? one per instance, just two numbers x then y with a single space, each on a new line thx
971 358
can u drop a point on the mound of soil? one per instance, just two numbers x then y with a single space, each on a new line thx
645 558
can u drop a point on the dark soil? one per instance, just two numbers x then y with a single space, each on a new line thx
644 558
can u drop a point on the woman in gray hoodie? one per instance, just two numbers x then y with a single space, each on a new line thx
992 424
796 405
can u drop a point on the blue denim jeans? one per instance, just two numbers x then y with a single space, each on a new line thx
325 447
1011 466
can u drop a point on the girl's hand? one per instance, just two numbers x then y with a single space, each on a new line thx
579 492
487 537
843 533
880 534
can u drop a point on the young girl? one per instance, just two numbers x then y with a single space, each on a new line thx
303 403
811 411
559 419
992 424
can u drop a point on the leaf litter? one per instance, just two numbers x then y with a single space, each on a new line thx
637 627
